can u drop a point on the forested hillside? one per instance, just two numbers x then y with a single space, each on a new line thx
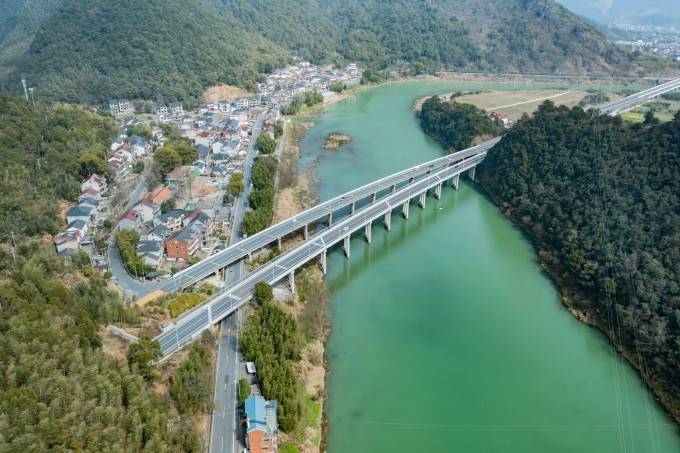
601 199
44 155
92 50
58 390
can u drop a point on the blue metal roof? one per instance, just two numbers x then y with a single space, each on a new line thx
255 412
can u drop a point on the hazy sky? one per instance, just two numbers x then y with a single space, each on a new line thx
651 12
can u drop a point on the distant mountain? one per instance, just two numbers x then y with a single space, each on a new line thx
90 50
640 12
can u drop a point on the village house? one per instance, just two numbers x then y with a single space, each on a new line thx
172 219
261 424
160 233
147 211
79 227
78 212
160 195
96 182
130 220
121 107
151 252
67 243
183 244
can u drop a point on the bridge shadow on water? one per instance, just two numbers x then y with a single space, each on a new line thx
421 221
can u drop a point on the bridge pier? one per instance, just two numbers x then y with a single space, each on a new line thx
471 172
291 281
454 181
438 191
330 218
306 232
346 246
404 209
324 264
421 199
374 196
352 208
411 179
393 188
278 243
367 231
388 220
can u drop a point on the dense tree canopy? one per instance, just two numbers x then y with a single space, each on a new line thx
58 390
455 124
272 340
601 199
261 198
44 155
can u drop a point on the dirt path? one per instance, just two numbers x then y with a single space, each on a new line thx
529 101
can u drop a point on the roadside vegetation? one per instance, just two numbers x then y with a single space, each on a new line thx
192 384
272 340
265 144
126 241
261 198
173 305
600 197
60 391
234 188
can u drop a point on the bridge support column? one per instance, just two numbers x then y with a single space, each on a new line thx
388 220
404 209
471 172
411 179
421 200
324 264
374 196
367 231
330 218
278 243
291 281
454 181
352 208
306 232
346 246
438 191
393 188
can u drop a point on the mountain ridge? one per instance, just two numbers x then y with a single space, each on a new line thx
85 51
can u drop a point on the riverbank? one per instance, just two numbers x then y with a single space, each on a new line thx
310 305
581 307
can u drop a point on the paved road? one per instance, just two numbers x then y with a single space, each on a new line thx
617 106
192 323
130 285
223 430
262 239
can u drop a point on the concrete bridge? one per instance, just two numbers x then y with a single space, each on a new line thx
330 223
321 214
192 323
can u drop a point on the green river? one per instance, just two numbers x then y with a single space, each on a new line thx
447 336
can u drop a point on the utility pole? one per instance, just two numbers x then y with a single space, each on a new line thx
14 246
23 82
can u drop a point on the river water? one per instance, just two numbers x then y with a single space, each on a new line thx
447 336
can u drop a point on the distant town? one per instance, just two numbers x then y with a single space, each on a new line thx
662 41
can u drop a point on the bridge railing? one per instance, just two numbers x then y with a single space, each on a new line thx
229 300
